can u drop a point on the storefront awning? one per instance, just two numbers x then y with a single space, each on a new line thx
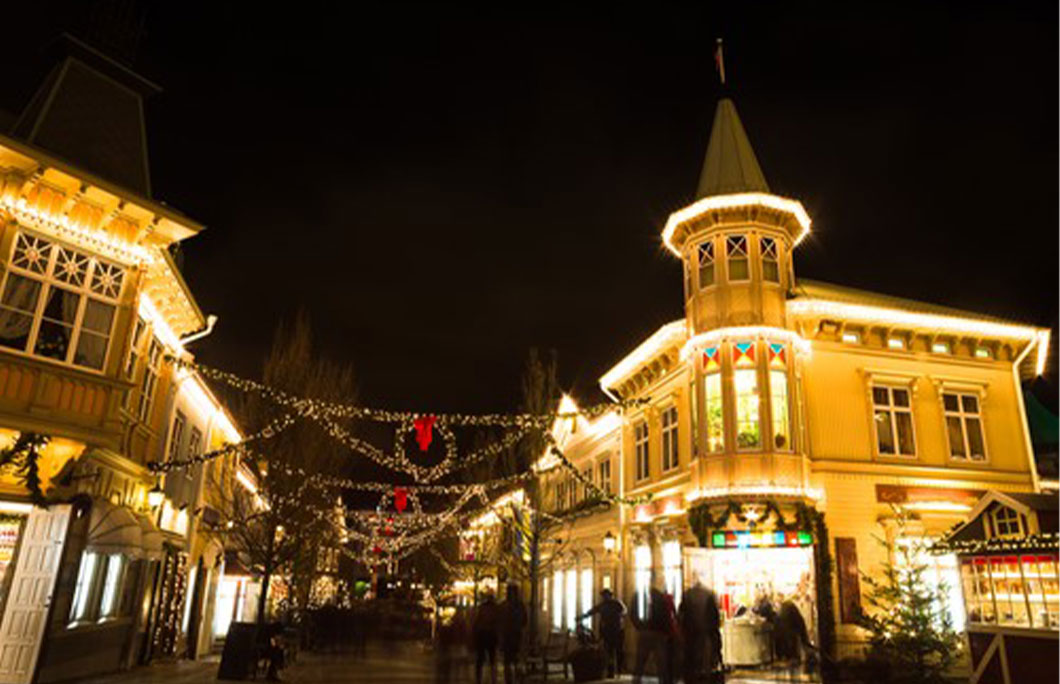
150 538
113 529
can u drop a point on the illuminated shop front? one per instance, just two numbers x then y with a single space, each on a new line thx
1007 552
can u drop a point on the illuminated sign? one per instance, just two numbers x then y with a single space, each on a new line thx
759 540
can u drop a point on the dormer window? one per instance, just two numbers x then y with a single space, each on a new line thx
770 265
706 264
736 251
1006 522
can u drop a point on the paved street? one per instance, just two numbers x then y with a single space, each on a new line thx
386 662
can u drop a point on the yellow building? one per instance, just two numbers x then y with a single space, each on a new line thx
93 309
784 422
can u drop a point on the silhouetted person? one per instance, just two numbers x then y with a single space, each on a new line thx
484 633
790 638
513 622
701 629
612 613
655 637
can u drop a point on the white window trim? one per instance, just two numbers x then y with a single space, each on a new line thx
697 250
47 281
775 259
892 410
961 415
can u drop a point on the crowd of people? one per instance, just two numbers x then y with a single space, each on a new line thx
682 641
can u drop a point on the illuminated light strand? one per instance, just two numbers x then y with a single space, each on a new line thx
1043 351
1047 541
555 450
757 490
735 201
750 331
661 339
912 319
276 426
95 239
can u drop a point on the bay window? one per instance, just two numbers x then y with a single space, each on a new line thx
705 252
770 262
736 251
745 385
58 303
715 417
778 396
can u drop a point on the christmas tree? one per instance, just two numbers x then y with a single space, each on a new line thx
911 634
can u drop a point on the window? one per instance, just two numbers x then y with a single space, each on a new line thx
1006 522
983 353
587 477
115 573
669 439
86 576
176 435
640 439
561 495
715 419
572 493
1012 590
940 347
150 379
557 599
604 469
587 596
895 343
706 264
671 557
641 579
571 598
851 337
894 421
778 396
745 382
770 266
964 426
58 302
736 250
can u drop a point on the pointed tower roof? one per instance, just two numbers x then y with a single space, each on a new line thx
730 166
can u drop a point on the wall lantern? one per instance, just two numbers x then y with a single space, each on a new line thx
609 542
155 496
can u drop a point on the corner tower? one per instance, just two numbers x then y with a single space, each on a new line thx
736 239
736 242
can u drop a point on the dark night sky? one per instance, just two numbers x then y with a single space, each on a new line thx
443 188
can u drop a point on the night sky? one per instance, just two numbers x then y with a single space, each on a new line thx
444 188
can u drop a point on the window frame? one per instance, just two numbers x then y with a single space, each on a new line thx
962 416
47 280
706 256
149 379
769 253
604 483
892 410
737 248
671 445
641 451
996 522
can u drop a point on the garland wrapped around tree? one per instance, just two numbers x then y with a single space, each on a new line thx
24 456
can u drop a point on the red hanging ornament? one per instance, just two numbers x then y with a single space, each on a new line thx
377 549
424 428
401 499
389 531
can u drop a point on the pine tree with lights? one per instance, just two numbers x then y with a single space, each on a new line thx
912 640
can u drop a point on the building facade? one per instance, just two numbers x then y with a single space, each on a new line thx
783 424
97 559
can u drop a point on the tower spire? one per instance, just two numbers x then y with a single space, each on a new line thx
730 165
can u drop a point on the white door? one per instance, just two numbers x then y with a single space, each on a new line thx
26 615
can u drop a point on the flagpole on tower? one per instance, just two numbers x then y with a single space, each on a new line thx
719 61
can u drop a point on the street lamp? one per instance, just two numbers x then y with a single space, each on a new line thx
609 542
155 496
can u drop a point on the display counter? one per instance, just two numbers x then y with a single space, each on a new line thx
747 641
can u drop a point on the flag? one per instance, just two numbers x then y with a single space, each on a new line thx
719 61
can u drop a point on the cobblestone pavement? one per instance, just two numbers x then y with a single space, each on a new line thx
384 663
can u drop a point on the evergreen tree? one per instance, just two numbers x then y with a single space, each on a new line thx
912 640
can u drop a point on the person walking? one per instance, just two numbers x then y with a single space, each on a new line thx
612 613
656 633
484 634
701 632
513 622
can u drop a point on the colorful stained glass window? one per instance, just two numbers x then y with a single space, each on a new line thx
743 354
778 355
711 359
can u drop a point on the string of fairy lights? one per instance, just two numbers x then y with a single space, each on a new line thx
397 536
